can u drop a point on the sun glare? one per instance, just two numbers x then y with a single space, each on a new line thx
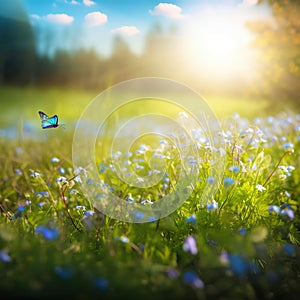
218 44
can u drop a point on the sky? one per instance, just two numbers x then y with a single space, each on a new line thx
212 34
71 24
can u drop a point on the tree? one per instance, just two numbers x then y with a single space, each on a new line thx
17 50
279 40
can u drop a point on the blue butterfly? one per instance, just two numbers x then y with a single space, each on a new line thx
48 122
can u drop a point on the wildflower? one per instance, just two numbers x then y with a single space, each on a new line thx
64 272
260 187
165 186
138 216
101 283
274 208
152 219
35 174
210 180
224 257
54 160
88 219
212 206
116 155
81 207
146 201
190 245
19 212
61 170
191 219
61 179
288 146
289 249
41 204
124 239
234 169
228 181
288 211
172 273
128 154
73 192
212 243
42 194
238 264
48 233
242 231
4 256
130 198
18 171
192 279
80 170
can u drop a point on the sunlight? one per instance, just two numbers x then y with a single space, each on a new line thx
218 44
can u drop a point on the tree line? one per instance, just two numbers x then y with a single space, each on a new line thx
278 42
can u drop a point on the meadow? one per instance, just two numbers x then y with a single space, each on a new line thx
242 244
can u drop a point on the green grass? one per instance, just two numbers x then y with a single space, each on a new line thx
244 251
23 103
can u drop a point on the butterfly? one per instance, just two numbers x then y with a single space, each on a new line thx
48 122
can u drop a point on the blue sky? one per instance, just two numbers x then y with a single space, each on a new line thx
73 24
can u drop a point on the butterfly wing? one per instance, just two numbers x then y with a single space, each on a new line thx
43 116
50 122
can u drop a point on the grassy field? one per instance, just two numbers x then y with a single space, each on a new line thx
242 244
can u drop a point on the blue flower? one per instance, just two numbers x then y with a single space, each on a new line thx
212 206
191 278
190 245
242 231
288 146
43 194
210 180
4 256
130 198
152 219
101 283
228 181
61 170
289 249
172 273
138 215
274 208
238 265
191 219
19 212
49 234
80 207
18 171
234 169
288 211
54 160
64 272
124 239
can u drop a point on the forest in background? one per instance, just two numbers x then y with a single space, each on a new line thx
278 42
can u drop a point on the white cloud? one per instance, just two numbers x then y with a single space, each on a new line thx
95 19
35 17
247 3
168 10
59 18
73 2
127 30
88 2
